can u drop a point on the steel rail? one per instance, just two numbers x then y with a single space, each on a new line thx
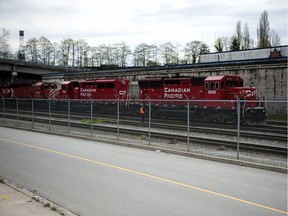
163 135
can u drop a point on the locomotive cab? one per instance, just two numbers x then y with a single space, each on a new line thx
45 90
221 95
67 90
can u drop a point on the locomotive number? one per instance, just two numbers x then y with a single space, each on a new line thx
212 92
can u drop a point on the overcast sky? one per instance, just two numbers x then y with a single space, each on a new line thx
138 21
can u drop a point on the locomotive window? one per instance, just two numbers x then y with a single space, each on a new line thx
105 85
212 86
150 84
232 84
198 81
100 85
76 84
222 85
110 85
155 84
172 82
64 87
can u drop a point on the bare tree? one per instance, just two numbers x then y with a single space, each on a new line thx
275 38
263 31
122 51
65 53
246 37
168 53
32 50
80 49
46 50
4 46
191 52
144 54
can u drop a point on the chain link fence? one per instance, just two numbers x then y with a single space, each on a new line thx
226 130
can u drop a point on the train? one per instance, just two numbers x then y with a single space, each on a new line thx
211 98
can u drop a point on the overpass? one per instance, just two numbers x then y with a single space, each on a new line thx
11 70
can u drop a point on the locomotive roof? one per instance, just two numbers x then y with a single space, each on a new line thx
43 83
39 83
100 81
66 82
214 78
150 79
218 78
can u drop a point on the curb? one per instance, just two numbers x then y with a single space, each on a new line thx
45 203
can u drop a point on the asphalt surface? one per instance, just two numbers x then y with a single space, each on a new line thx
91 178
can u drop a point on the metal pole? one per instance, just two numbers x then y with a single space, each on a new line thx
49 114
118 110
149 121
91 118
17 110
32 101
238 128
3 110
188 125
68 115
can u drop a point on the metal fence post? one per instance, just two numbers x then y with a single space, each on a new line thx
118 123
17 111
188 125
149 121
49 107
32 101
238 127
68 115
3 110
91 119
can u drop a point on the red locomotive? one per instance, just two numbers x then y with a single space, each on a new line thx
212 98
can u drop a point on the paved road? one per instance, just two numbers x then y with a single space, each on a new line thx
91 178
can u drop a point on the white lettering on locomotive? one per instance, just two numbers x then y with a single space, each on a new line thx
87 90
86 95
176 90
212 92
173 96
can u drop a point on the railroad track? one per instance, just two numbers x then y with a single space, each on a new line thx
275 132
176 135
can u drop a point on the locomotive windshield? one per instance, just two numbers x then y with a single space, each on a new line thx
64 87
234 84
